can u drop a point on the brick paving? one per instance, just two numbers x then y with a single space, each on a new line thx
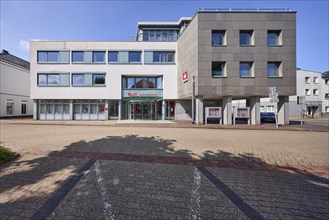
163 173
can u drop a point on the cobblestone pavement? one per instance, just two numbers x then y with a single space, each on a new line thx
100 172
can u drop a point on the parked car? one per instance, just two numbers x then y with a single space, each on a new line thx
267 116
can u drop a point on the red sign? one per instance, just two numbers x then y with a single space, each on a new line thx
185 76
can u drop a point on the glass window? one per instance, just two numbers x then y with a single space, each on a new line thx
23 108
163 57
141 83
77 109
42 108
171 35
152 35
131 83
113 108
77 56
245 38
151 83
59 109
157 57
66 109
315 92
98 79
98 56
315 80
42 56
53 79
307 92
145 35
165 35
10 108
273 69
158 35
113 56
159 82
218 69
101 108
273 38
134 56
85 108
50 109
326 81
78 79
170 57
42 79
93 108
218 38
307 80
53 56
245 69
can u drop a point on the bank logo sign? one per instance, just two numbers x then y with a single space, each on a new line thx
185 76
142 93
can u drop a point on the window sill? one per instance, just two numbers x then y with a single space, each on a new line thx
247 77
88 63
117 63
88 85
224 45
247 45
279 45
274 77
53 85
219 77
53 62
160 63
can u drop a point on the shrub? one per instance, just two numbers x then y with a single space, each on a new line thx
6 155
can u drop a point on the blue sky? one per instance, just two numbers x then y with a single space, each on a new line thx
22 21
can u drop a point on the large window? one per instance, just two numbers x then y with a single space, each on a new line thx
163 57
53 79
218 69
88 79
142 82
88 56
135 56
246 38
160 35
273 38
53 56
218 38
54 109
9 106
273 69
246 69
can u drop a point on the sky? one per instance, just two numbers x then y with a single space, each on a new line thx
107 20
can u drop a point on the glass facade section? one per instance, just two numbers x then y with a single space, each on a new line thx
142 83
113 56
78 79
42 56
218 69
98 56
53 79
77 56
163 57
160 35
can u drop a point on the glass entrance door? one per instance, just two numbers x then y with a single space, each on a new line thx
141 110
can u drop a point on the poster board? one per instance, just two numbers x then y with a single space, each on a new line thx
214 113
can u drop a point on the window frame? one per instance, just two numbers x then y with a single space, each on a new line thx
117 56
163 57
135 62
221 63
251 69
59 74
251 42
94 52
223 39
23 102
278 65
78 51
47 56
98 74
278 35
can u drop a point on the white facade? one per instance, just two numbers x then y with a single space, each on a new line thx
14 88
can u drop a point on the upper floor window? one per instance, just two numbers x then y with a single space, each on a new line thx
142 82
53 79
315 92
274 69
218 69
246 38
53 56
326 81
160 35
274 38
163 57
88 56
113 56
307 92
246 69
316 80
307 80
135 56
326 96
218 38
88 79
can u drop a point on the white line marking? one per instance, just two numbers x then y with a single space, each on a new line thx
195 195
108 214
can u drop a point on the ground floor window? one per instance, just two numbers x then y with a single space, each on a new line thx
53 109
114 108
9 106
23 107
89 109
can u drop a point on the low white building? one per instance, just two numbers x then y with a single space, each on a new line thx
15 88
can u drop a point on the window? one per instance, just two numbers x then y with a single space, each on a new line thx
326 81
218 69
77 56
78 79
98 57
246 38
53 79
315 92
262 108
9 106
113 56
134 56
160 35
98 79
218 38
246 69
163 57
270 108
23 107
273 38
326 109
307 92
316 80
307 80
53 56
273 69
326 96
142 82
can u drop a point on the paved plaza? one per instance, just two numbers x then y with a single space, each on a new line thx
107 171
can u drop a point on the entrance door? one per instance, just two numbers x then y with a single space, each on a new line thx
141 110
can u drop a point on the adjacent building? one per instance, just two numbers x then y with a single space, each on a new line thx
213 58
14 87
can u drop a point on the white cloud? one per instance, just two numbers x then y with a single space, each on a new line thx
24 44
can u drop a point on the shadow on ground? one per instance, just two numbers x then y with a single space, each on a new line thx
29 183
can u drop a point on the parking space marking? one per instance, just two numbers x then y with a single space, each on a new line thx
108 214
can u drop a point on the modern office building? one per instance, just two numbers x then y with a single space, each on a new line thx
14 87
221 55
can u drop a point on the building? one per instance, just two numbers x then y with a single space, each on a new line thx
222 55
15 89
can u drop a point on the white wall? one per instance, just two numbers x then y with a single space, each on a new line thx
14 84
113 71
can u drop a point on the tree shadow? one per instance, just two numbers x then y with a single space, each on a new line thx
33 180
